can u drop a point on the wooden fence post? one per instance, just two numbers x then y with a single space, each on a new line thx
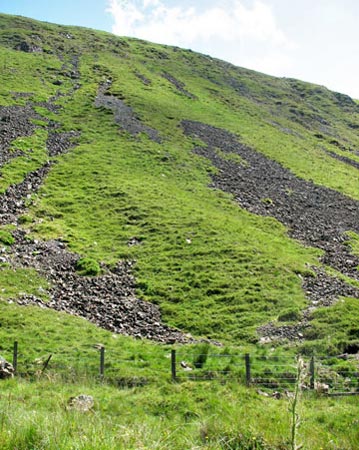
46 363
102 362
173 365
248 369
312 372
14 357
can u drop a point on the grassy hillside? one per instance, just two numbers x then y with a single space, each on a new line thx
132 176
163 194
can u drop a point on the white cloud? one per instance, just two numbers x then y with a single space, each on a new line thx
248 36
257 34
184 26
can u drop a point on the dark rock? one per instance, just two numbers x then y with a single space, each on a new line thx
15 122
144 79
179 85
315 215
28 47
108 300
59 143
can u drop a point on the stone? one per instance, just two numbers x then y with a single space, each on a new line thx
82 403
6 369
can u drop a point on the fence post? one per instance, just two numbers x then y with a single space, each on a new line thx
248 369
173 365
14 357
102 362
312 372
46 363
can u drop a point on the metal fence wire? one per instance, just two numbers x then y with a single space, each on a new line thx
327 375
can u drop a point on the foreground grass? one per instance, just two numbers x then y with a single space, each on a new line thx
137 406
169 416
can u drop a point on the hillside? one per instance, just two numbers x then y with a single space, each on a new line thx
165 194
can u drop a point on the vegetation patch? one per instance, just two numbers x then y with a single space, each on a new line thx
88 266
6 237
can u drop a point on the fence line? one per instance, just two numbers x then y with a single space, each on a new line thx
325 374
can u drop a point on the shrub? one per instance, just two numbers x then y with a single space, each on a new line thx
88 266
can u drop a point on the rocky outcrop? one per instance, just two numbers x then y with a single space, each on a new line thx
315 215
109 299
15 122
179 85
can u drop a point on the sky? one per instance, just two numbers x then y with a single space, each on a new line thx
312 40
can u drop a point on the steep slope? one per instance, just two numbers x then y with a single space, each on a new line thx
222 199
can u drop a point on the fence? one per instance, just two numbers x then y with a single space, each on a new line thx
329 375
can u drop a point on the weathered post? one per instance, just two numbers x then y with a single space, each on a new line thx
102 362
312 373
46 363
14 357
248 369
173 365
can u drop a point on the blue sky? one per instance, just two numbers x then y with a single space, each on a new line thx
313 40
87 13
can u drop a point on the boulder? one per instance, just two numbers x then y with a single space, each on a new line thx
82 403
6 369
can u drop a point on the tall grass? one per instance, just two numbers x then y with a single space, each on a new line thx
171 416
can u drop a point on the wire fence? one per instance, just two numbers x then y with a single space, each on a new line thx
326 375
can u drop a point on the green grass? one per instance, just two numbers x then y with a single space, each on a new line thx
17 282
36 415
179 223
334 329
6 237
138 406
214 269
35 156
